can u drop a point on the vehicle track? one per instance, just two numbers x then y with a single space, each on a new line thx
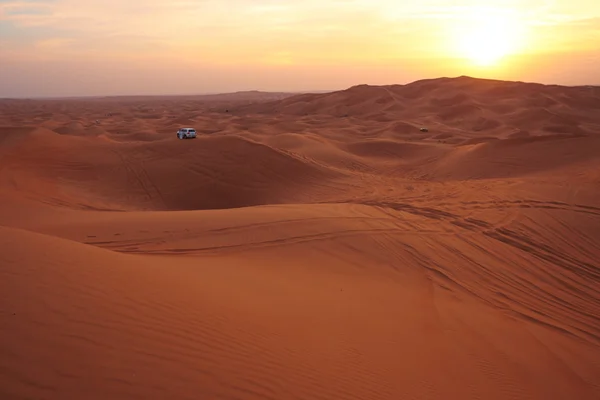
141 178
505 235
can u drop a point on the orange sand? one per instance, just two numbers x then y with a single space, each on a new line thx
316 246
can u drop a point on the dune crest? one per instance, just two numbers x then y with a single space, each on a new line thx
435 240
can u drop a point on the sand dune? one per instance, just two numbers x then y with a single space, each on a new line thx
132 175
312 246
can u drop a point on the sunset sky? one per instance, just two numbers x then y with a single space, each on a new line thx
103 47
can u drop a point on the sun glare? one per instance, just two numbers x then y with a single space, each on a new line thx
487 36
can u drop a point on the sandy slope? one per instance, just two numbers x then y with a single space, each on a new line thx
316 246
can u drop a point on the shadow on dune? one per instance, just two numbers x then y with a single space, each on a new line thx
207 173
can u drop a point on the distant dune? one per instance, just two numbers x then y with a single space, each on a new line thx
435 240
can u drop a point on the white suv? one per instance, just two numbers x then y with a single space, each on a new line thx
186 133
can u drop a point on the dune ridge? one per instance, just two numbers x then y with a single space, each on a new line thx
316 246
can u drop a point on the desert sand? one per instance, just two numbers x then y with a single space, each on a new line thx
304 246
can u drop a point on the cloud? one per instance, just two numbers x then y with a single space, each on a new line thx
260 29
23 10
231 31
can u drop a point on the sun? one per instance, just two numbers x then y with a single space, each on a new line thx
488 35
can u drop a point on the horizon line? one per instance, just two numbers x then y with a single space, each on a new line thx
294 92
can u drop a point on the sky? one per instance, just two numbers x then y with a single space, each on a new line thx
124 47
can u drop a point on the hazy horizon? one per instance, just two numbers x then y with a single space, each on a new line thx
63 48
